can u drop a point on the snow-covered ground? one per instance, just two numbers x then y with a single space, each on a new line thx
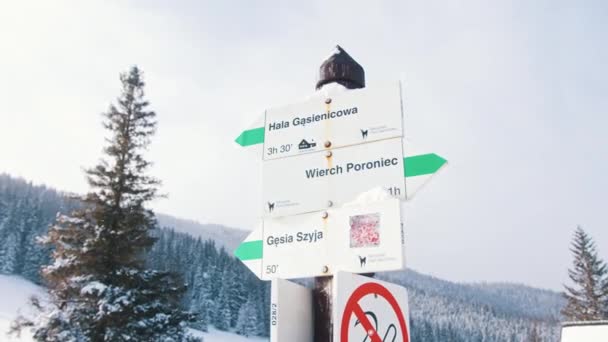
14 300
221 336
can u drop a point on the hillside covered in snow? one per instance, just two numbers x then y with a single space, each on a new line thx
14 300
229 298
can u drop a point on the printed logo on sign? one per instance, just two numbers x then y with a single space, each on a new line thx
364 133
362 261
365 231
304 145
270 206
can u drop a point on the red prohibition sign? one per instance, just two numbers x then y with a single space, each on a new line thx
353 307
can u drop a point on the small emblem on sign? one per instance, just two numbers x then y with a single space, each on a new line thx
270 207
304 145
362 260
364 133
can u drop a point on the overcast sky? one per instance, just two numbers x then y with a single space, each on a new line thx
513 93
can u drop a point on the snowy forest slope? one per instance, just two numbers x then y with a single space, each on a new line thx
223 236
224 292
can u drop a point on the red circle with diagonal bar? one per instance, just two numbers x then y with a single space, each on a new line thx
353 307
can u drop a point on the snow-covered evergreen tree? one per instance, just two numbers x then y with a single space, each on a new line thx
262 308
223 312
99 287
587 300
236 294
247 321
533 334
200 302
25 213
9 253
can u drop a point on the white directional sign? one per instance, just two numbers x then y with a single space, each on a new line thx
317 157
344 119
366 309
291 313
315 181
360 239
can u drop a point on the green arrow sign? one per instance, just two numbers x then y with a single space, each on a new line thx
250 250
423 164
417 165
250 137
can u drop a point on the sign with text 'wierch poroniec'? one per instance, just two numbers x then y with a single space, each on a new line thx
359 239
344 119
316 181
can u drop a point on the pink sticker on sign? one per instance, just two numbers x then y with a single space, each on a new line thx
365 230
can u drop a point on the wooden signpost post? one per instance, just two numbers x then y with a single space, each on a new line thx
335 169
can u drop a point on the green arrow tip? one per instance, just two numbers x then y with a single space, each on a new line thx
250 250
251 137
423 164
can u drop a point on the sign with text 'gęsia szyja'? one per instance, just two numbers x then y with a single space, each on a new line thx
359 238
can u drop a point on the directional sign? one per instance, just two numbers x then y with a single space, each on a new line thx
315 181
349 118
317 157
420 164
367 309
291 314
360 239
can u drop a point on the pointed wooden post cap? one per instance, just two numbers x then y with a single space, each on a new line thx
341 68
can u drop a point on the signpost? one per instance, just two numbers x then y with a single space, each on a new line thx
319 158
291 313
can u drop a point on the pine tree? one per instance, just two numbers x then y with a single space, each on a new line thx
587 300
263 327
9 252
223 312
235 293
98 282
247 322
200 301
533 334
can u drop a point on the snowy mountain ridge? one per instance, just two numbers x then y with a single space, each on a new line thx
227 237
